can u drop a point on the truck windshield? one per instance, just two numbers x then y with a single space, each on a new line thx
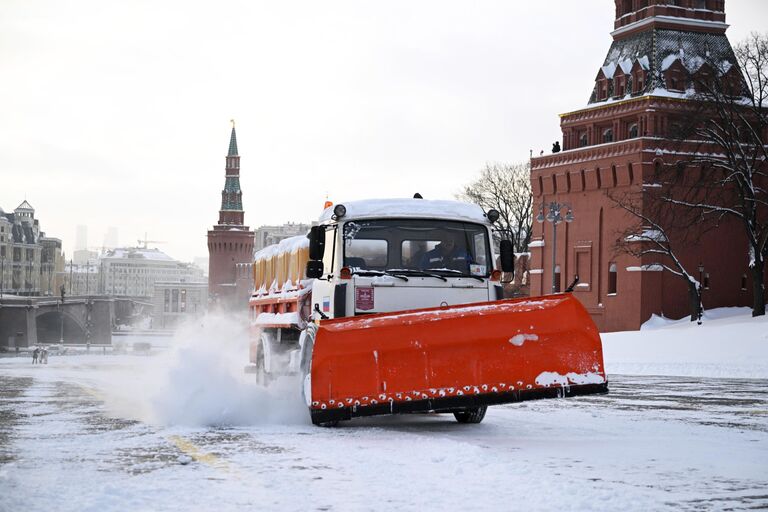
457 248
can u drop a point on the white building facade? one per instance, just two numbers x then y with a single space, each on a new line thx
270 235
127 272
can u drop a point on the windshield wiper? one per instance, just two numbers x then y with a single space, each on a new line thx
367 273
461 274
417 273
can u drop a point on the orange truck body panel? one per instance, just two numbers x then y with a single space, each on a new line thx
457 356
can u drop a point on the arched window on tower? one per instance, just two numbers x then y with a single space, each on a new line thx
633 131
608 135
583 141
626 7
612 281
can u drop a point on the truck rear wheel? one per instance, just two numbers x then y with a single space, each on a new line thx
471 414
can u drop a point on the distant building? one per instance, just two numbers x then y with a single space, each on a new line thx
81 237
230 242
111 238
82 256
80 279
176 302
127 272
133 272
28 259
51 265
270 235
202 263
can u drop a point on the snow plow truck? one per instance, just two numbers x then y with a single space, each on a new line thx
395 306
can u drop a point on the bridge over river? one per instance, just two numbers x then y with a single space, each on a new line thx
27 321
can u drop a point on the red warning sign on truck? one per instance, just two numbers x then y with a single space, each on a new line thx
364 299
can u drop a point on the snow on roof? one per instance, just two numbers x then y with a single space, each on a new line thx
287 245
609 70
626 66
657 49
137 253
669 60
725 66
405 208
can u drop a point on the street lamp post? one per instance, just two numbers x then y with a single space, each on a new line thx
701 288
61 316
554 215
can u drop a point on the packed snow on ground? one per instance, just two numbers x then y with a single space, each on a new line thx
185 429
729 343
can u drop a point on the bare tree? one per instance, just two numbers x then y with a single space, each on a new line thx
507 189
729 123
650 239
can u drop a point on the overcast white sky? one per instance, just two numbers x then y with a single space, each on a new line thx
116 113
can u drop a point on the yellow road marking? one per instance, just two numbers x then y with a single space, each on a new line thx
185 445
189 448
92 391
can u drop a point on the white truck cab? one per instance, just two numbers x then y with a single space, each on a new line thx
386 255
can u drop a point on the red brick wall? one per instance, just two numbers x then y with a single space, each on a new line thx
586 246
227 248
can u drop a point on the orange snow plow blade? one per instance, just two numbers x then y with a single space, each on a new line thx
451 358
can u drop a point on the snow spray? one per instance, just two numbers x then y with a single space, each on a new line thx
200 381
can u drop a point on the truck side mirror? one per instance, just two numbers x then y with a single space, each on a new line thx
316 243
507 254
314 269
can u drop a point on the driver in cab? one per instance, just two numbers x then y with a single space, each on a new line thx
447 254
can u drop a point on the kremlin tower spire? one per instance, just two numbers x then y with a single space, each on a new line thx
230 242
232 197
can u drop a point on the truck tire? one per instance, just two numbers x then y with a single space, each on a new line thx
262 377
471 414
325 424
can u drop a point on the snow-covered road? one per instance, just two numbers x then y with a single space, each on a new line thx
69 441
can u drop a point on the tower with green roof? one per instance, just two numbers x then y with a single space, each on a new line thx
230 242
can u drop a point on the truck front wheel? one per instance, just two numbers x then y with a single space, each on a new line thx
262 377
471 414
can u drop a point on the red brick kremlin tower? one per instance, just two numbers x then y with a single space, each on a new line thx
614 144
230 241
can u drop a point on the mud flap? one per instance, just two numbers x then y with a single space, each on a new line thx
443 359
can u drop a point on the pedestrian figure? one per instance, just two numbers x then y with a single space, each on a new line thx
35 354
44 356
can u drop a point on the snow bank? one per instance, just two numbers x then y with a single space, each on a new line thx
728 344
